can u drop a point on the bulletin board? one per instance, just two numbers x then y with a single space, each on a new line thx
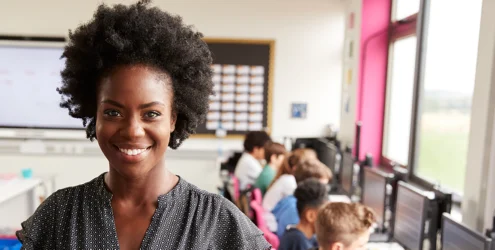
243 86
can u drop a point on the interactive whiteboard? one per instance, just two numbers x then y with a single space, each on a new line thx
29 77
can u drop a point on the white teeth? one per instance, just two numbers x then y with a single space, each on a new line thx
132 151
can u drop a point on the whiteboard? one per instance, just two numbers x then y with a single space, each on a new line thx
29 77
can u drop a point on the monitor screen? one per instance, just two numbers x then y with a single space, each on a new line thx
456 236
29 76
346 173
374 192
410 216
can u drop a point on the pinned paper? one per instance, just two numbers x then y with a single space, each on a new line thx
243 106
216 87
241 126
242 88
255 126
228 87
215 97
229 97
212 125
256 107
217 78
214 106
227 116
256 98
256 117
217 68
228 106
242 80
258 80
256 89
228 79
243 70
242 98
257 70
213 116
228 69
228 125
241 116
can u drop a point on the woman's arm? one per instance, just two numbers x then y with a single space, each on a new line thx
233 230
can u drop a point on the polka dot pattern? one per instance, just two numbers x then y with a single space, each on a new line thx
81 217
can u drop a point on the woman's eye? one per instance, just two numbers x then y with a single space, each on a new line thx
111 112
152 114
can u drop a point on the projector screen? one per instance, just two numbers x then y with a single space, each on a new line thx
29 77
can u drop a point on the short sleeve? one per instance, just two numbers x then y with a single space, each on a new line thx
233 230
38 230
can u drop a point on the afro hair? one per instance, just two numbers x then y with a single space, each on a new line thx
137 34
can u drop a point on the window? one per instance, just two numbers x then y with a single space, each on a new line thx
402 58
405 8
400 82
448 83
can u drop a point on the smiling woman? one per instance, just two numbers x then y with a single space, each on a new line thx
140 81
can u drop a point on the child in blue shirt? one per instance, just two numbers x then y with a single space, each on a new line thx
310 195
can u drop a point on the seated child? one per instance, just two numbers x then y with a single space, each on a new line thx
274 156
344 226
249 167
285 212
285 183
311 194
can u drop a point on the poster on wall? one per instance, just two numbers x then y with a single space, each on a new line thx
242 86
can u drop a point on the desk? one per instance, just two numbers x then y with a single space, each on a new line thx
339 198
12 188
384 246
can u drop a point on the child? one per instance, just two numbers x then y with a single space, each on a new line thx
343 226
311 194
285 183
274 156
249 168
286 212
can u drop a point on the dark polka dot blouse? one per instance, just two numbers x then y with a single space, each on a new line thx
186 218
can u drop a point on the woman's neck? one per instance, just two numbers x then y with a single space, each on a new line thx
306 228
142 189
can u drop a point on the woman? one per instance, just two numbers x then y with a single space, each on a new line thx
140 80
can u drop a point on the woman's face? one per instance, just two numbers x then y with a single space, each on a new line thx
134 118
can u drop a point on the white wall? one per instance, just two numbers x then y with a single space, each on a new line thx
309 43
349 89
478 201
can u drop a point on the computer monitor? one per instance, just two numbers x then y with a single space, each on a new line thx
413 210
327 153
347 173
375 193
305 143
456 236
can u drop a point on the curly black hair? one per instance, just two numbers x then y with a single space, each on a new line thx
137 34
310 193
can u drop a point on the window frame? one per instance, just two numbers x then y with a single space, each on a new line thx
416 24
399 29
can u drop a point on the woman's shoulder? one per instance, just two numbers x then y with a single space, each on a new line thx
50 214
234 230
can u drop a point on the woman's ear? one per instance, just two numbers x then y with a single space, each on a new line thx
173 120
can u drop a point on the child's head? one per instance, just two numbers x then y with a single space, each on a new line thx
311 194
254 143
312 168
275 154
295 157
292 160
343 226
